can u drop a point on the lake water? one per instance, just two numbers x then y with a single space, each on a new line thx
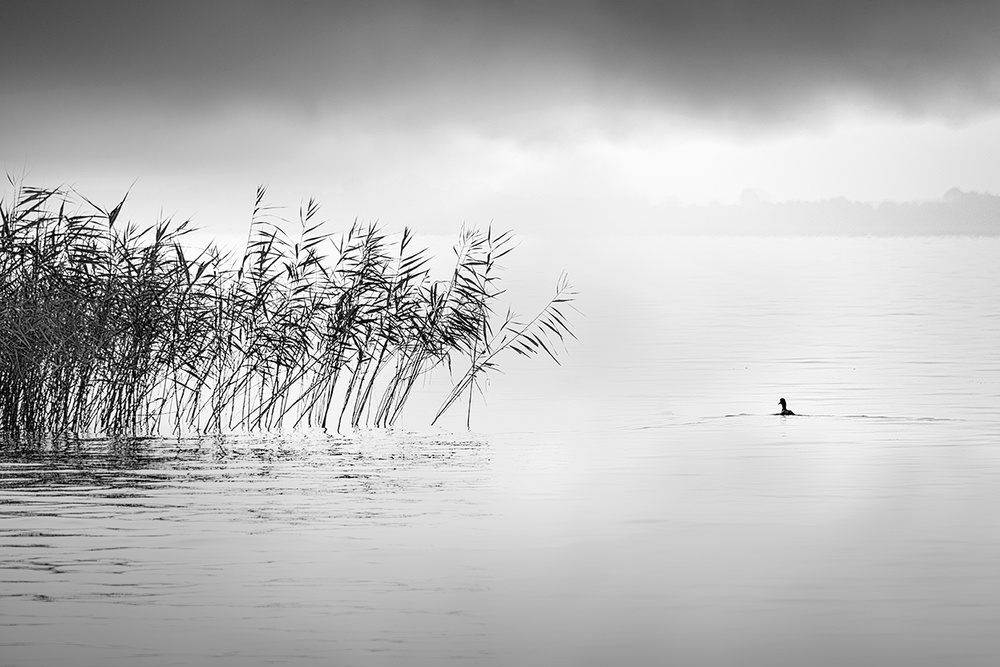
639 505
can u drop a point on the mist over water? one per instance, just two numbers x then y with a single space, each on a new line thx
640 504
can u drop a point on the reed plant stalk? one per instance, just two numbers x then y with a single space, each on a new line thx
111 327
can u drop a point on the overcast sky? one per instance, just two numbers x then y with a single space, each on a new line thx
435 113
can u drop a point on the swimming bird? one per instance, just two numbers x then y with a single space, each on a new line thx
784 410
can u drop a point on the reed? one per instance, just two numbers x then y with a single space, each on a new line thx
111 327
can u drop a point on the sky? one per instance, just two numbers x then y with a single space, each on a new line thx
537 116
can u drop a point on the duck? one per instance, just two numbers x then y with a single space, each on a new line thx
784 410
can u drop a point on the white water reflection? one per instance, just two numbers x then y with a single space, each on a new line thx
244 553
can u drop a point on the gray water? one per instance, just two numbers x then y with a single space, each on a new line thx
639 505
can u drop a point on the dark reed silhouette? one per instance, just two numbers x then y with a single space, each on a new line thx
110 327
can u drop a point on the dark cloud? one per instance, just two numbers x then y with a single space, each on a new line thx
759 62
768 58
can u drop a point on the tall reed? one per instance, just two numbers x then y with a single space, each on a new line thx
111 327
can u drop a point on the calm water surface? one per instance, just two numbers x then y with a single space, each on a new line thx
639 505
